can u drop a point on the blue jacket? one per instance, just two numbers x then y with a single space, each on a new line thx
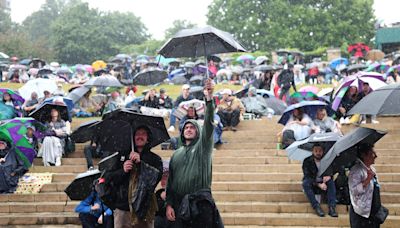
86 204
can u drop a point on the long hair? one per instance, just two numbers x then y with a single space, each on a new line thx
58 116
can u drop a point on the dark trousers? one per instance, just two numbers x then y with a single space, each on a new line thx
357 221
203 220
229 118
308 187
90 221
93 152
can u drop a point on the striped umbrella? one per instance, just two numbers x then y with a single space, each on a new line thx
297 97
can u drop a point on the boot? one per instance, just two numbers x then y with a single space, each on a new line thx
319 211
332 211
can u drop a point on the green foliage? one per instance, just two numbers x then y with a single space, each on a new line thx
5 21
176 26
149 47
303 24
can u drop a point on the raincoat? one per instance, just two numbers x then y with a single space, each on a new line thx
190 167
12 165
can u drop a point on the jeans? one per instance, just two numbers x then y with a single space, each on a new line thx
308 187
229 118
172 118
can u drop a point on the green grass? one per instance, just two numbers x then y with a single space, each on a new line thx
173 90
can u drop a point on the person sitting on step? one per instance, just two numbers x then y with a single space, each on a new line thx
230 110
313 184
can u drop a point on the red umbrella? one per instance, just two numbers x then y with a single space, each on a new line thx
358 49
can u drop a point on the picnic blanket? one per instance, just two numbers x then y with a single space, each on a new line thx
33 182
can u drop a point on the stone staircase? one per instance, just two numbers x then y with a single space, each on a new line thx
254 184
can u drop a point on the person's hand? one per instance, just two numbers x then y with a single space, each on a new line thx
170 213
94 144
161 101
135 157
95 207
12 174
322 186
100 220
209 87
342 110
326 179
2 160
128 164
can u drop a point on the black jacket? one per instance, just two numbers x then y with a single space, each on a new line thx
286 79
120 179
188 209
180 99
310 169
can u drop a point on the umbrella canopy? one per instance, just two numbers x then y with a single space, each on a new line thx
358 49
14 131
214 58
183 107
261 60
14 96
297 97
7 112
99 64
200 42
64 70
62 100
276 104
25 62
374 80
82 185
383 101
344 151
378 67
84 133
18 67
43 112
37 63
312 89
103 81
334 63
263 68
392 68
76 94
310 108
150 77
246 57
375 55
356 67
119 125
299 150
38 85
123 57
162 60
4 56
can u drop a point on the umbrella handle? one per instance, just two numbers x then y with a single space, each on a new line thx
205 55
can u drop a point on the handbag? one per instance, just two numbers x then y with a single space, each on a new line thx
381 214
69 145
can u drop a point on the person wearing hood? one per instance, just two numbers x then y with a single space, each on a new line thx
190 171
125 180
11 168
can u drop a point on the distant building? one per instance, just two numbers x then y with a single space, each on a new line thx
387 39
5 5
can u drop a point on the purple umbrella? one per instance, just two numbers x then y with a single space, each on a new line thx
374 80
14 96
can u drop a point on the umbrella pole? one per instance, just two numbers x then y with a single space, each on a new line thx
205 55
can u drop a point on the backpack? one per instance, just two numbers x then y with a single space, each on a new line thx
342 188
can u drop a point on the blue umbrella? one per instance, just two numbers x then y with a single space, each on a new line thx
334 63
310 107
68 101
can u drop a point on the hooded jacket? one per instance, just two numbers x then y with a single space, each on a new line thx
190 168
13 164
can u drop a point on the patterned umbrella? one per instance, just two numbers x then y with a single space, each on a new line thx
378 67
392 68
246 57
14 131
302 96
14 96
312 89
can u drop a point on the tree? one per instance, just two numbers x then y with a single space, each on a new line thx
5 21
149 47
176 26
303 24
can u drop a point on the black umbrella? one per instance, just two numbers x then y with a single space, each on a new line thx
76 94
37 63
150 77
344 151
214 58
382 101
264 68
197 92
148 179
356 67
110 162
115 130
84 133
200 42
43 112
103 81
276 104
82 185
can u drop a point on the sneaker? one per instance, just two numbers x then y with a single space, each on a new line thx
171 129
233 128
375 122
332 211
347 120
341 121
91 168
363 122
58 161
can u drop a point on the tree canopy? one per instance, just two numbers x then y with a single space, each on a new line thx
176 26
302 24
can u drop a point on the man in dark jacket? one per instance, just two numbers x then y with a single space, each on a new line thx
313 183
190 168
11 168
285 81
164 100
122 179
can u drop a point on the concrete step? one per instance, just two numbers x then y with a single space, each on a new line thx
220 196
42 218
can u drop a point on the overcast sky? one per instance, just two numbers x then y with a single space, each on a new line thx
158 15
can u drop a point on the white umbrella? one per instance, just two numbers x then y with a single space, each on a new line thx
38 85
260 59
4 56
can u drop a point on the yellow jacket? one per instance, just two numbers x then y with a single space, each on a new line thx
235 103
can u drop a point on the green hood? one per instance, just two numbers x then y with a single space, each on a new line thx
198 129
